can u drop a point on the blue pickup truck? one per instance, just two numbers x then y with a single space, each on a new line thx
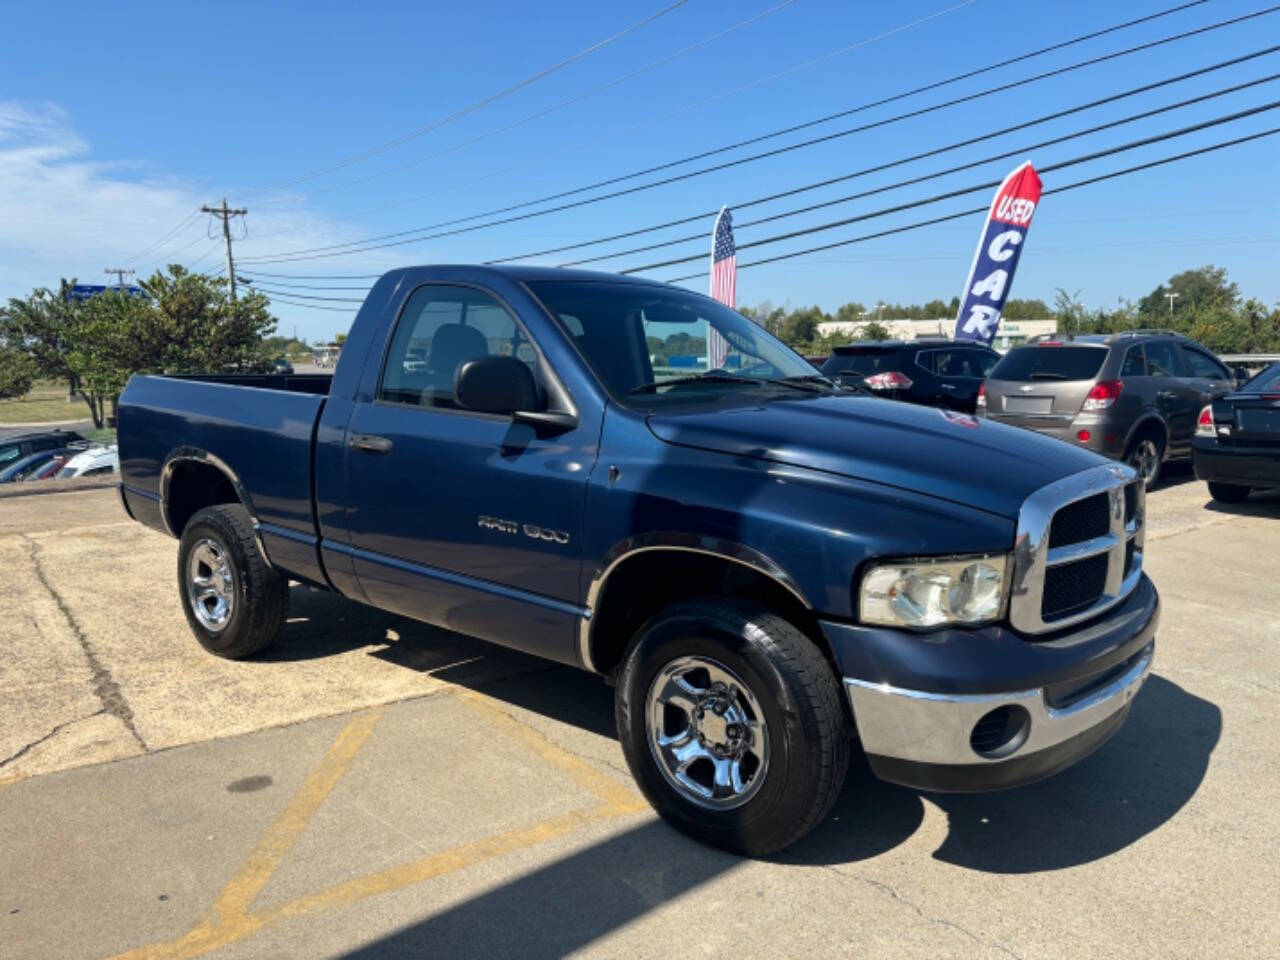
769 568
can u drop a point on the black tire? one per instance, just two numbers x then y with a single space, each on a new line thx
1228 492
807 722
1135 458
259 595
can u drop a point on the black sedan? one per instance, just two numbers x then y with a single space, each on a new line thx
1237 443
936 372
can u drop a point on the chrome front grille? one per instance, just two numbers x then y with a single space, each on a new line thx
1078 549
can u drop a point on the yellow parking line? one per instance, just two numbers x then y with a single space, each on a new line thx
229 920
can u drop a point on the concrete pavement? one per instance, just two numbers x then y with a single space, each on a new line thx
376 788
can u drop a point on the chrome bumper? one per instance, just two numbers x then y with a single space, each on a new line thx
934 728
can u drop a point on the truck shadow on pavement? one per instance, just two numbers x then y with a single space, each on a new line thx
1130 787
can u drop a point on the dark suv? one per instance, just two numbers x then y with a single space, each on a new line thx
14 448
1133 396
933 371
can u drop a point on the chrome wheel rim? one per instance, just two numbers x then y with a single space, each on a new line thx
707 733
211 585
1146 459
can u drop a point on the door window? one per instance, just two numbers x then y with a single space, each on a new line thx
1163 359
1204 366
1134 366
440 329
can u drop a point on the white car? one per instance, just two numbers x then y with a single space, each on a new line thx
94 462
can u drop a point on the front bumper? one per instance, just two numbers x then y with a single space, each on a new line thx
925 704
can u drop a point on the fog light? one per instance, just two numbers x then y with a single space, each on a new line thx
1083 436
1000 732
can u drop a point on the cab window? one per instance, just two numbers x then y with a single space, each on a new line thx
440 329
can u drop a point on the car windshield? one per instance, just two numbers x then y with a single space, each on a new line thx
1050 362
652 345
862 362
1268 381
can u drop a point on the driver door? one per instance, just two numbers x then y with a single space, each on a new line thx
464 519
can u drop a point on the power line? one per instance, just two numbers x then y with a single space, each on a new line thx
1003 155
186 222
310 306
371 243
477 105
950 194
314 276
692 105
306 296
663 61
983 209
243 277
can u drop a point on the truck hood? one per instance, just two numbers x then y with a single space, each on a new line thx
948 455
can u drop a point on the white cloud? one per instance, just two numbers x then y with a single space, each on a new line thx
65 213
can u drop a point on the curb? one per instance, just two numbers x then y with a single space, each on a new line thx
10 491
44 423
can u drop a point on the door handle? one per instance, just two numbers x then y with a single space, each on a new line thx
370 444
1165 395
948 386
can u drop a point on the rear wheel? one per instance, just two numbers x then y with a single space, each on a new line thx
234 600
1146 455
1228 492
732 723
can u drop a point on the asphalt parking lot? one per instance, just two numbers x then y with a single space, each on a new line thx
376 787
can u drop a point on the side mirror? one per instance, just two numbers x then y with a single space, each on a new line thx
494 384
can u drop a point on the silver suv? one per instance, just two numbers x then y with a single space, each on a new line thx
1133 396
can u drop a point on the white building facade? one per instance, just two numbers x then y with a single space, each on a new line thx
1010 334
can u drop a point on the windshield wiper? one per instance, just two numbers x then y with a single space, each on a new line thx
698 378
812 382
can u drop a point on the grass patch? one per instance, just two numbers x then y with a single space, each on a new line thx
46 402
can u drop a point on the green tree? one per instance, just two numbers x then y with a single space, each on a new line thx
1194 289
875 330
206 331
39 325
115 336
17 373
1068 310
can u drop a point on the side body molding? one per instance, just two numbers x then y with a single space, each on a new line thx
674 542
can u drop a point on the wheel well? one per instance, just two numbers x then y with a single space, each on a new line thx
193 486
642 585
1152 426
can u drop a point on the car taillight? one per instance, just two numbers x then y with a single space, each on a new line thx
893 380
1204 426
1103 394
982 396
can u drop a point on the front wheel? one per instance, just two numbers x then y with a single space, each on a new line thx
733 725
1228 492
234 600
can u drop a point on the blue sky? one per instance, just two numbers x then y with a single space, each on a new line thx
123 119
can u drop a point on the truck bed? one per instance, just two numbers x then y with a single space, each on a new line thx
257 428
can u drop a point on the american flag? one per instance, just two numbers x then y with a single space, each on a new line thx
724 283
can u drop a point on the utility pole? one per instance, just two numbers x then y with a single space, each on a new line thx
1172 297
120 273
225 214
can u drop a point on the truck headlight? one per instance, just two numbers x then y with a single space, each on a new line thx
930 593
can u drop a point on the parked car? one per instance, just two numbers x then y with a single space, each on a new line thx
93 462
1131 396
282 365
50 469
21 468
936 372
757 563
1237 443
23 445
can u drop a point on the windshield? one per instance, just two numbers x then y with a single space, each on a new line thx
861 362
648 344
1050 363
